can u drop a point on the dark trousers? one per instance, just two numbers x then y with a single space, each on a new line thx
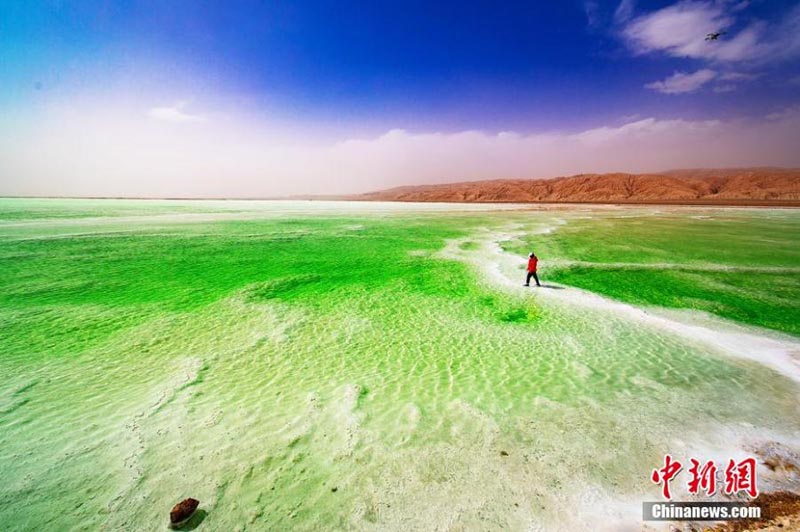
532 274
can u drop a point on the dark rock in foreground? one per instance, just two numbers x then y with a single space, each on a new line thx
182 511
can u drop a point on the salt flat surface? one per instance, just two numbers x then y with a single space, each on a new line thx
443 395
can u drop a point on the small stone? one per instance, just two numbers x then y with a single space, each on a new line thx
503 453
182 512
334 489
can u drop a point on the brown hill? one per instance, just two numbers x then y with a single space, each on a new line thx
748 186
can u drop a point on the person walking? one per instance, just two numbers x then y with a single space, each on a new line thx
533 262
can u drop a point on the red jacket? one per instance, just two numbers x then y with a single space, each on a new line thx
532 264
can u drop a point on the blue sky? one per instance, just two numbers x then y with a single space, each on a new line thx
283 75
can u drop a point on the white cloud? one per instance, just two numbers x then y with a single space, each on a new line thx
591 9
738 76
679 30
624 11
682 82
175 114
738 6
732 80
786 42
787 113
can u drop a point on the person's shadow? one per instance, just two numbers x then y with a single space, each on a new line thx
552 287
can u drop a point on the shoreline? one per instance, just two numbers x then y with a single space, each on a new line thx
791 204
668 203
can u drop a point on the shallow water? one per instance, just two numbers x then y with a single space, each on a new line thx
336 366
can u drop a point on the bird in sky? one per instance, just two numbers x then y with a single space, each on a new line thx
714 36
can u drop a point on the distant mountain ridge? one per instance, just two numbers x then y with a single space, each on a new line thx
738 186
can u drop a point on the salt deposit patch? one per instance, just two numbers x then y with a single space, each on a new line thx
779 352
701 333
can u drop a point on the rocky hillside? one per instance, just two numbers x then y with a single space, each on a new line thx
749 186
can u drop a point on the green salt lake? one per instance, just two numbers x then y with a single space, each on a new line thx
372 366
